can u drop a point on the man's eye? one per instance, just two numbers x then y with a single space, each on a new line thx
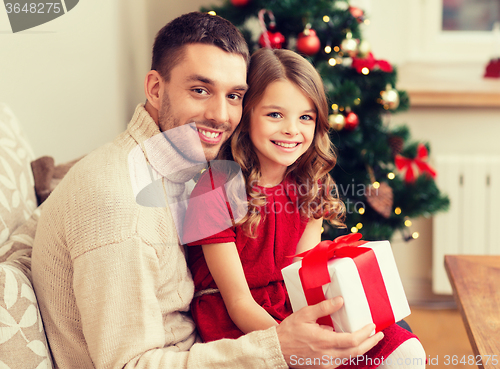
234 97
274 115
200 91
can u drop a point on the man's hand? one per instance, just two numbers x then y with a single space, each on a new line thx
302 339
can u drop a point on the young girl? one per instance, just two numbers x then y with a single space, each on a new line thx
285 154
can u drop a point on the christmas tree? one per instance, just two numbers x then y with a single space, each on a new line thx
381 174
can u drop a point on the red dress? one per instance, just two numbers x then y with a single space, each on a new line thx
262 259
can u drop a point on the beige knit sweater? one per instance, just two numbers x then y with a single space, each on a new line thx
111 279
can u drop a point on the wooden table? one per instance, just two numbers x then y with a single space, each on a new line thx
476 285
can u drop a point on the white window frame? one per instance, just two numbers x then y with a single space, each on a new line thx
432 44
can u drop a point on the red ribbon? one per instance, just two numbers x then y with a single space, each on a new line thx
403 163
371 63
314 274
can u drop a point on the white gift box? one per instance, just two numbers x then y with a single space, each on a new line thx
346 282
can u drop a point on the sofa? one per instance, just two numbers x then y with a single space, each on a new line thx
23 343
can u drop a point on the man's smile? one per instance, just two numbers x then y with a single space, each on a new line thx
209 136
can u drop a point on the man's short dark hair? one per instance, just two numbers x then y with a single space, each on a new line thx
193 28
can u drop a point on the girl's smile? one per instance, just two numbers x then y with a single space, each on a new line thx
282 128
286 145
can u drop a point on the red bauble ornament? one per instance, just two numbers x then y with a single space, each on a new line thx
275 40
308 43
357 13
351 121
240 2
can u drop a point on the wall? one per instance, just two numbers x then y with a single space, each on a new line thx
161 12
74 82
61 79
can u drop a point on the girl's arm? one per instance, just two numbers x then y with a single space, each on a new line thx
226 269
311 236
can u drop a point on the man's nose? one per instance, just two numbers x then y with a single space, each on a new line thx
217 110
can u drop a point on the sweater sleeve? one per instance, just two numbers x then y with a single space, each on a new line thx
116 287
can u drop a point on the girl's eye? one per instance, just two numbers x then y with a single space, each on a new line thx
274 115
306 117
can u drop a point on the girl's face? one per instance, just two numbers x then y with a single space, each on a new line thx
282 127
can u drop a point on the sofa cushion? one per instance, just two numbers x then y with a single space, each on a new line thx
22 339
17 193
20 243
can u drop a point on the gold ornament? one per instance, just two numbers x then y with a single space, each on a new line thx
349 45
336 121
389 98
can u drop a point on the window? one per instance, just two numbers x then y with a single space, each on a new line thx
454 30
470 15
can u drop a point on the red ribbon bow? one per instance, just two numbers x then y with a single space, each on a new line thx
314 274
403 163
371 63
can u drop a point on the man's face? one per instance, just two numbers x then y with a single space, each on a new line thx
206 88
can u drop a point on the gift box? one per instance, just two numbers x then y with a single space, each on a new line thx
363 273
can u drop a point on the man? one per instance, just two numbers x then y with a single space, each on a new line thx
110 276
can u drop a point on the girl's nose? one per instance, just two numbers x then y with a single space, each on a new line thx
290 128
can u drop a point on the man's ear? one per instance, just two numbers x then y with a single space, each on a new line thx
152 86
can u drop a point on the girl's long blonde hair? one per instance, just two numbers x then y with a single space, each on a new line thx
317 195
